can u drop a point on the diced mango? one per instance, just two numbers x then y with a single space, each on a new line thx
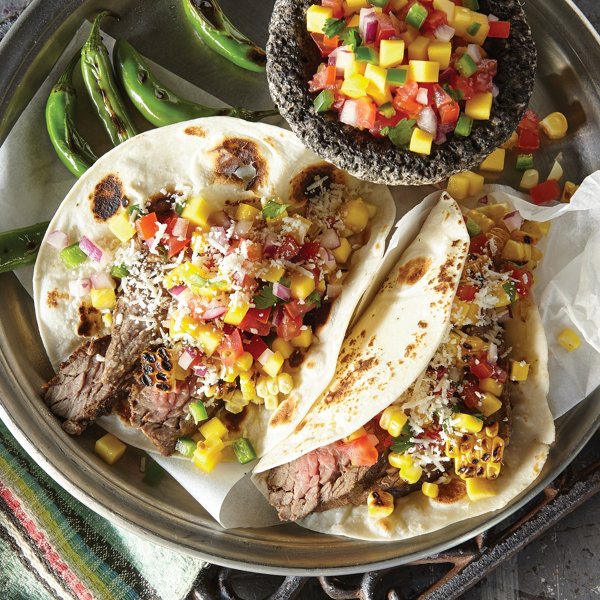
119 224
235 314
274 274
103 299
431 490
208 338
379 96
519 370
391 53
502 295
479 36
479 488
246 212
417 50
495 161
109 448
476 182
568 191
196 211
466 422
458 186
342 252
537 228
357 4
479 107
282 346
490 404
484 222
399 4
214 428
244 362
410 35
377 76
446 6
520 252
206 459
424 71
440 52
555 125
231 374
354 67
355 86
301 286
464 313
421 141
273 364
462 19
380 504
360 432
569 339
355 215
304 340
354 21
491 385
495 211
316 16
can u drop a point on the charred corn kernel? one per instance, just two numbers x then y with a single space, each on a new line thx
519 370
273 364
473 344
569 339
372 209
196 211
458 186
440 52
490 404
272 386
213 428
492 430
399 461
555 125
316 16
411 474
485 223
120 225
282 346
464 313
357 434
391 53
206 459
421 141
208 338
466 422
417 50
301 286
479 107
475 182
491 385
271 402
511 142
431 490
495 211
244 362
380 504
423 71
538 228
109 448
568 191
492 470
246 212
472 453
355 215
261 387
478 488
304 340
494 163
107 319
393 417
235 314
285 382
230 374
342 252
104 298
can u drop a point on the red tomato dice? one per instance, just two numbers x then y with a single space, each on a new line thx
499 29
289 328
466 292
231 348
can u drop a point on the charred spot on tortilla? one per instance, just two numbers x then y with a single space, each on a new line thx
234 154
413 271
284 413
296 359
452 492
350 381
162 203
317 317
90 321
107 197
445 280
422 324
311 182
195 130
55 296
410 351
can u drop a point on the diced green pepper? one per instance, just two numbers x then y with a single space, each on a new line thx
524 162
397 76
379 3
454 94
466 65
72 256
387 110
366 54
153 473
324 101
464 125
133 208
473 28
185 446
119 271
473 228
417 15
511 290
243 450
471 4
198 411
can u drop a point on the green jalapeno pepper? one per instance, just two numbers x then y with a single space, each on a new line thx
19 247
102 88
221 35
157 103
72 149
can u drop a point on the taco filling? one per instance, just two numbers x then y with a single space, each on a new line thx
446 435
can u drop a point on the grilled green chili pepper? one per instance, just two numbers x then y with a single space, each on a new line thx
102 88
19 247
157 103
221 35
74 152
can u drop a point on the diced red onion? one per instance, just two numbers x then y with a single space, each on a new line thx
246 173
89 248
367 20
58 239
440 137
474 52
265 356
214 312
102 281
330 239
495 90
334 290
217 238
79 288
513 220
371 31
177 290
180 228
281 291
270 247
349 113
200 370
277 317
328 259
427 120
493 18
492 355
444 33
423 96
187 358
242 228
484 200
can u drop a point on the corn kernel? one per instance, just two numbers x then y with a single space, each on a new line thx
244 362
423 71
400 461
109 448
272 386
246 212
467 422
458 186
479 107
261 387
555 125
247 386
316 16
380 504
355 215
120 225
519 370
282 346
421 141
285 382
104 298
569 339
342 252
304 340
490 404
271 402
231 374
531 177
491 385
417 50
411 474
357 434
479 488
495 161
301 286
273 364
391 53
392 414
397 422
196 211
431 490
213 428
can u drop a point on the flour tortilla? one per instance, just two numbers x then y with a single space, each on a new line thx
201 156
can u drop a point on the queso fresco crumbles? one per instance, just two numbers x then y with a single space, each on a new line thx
412 71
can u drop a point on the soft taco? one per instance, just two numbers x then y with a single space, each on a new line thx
203 276
437 411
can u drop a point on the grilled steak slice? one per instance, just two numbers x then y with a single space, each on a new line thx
162 416
76 393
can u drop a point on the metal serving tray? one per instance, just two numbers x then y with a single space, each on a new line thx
569 72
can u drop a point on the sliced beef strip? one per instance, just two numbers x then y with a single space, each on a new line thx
76 393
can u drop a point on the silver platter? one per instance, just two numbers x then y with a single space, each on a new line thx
569 72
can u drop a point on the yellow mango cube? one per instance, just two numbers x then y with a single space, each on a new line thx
431 490
417 49
273 364
495 161
354 67
120 226
246 212
244 362
301 286
476 182
109 448
463 17
196 211
479 36
214 428
519 370
235 314
356 5
423 71
380 504
391 53
491 385
446 6
458 186
399 4
342 252
316 16
208 338
479 107
355 86
304 340
555 125
490 404
479 488
466 422
282 346
206 459
568 191
410 35
274 274
536 228
440 52
379 96
483 221
376 75
355 215
103 299
354 21
569 339
421 141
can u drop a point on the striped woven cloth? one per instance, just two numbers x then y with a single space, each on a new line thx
51 546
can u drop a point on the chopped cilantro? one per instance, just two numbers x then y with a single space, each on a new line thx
400 134
402 443
265 297
334 27
314 298
273 210
351 37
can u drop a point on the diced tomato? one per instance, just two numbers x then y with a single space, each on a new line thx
500 374
231 347
255 345
254 250
337 7
471 394
289 328
359 113
530 120
175 245
385 29
361 451
405 99
324 48
449 113
523 278
479 244
323 79
256 321
288 248
147 226
545 192
464 85
499 29
339 101
483 80
466 293
436 19
529 140
440 96
308 251
480 367
382 122
296 309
